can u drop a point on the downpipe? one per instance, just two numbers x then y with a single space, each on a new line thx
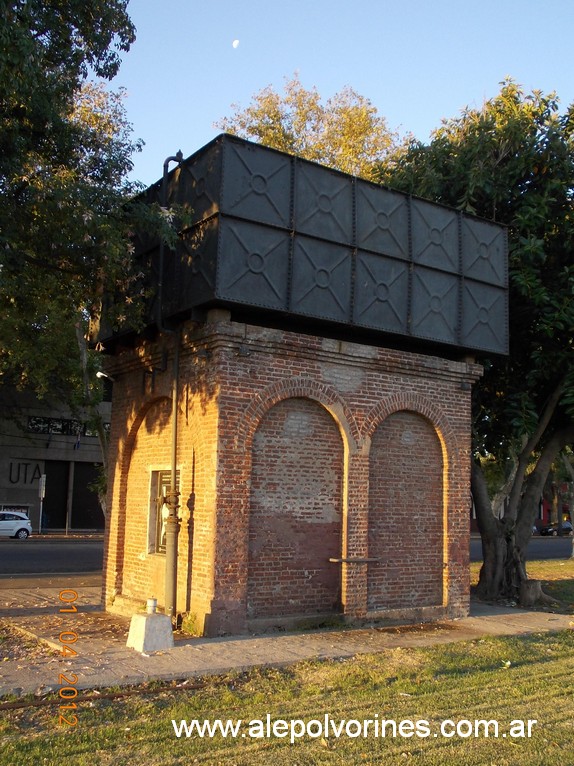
172 496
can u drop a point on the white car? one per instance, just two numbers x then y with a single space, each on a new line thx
15 524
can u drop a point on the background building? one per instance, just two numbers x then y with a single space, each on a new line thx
42 438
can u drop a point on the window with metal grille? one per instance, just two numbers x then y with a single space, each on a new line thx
160 485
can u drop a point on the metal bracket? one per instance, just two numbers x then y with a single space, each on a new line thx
151 371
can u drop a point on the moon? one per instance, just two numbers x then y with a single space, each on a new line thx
235 43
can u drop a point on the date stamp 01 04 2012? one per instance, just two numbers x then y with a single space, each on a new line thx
68 690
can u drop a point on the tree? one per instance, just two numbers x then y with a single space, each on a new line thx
64 151
48 47
66 211
345 133
512 161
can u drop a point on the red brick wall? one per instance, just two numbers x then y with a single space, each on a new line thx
247 476
406 508
295 512
140 443
150 452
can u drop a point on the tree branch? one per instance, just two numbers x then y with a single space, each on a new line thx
486 520
530 446
43 263
535 484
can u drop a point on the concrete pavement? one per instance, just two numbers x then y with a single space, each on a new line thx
103 660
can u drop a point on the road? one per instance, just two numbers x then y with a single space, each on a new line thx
36 556
72 555
539 548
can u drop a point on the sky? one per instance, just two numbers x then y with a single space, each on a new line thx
417 61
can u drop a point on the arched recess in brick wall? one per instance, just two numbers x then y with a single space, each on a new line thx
292 388
150 422
296 509
406 513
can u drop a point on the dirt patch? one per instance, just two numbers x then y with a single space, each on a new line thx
15 646
423 627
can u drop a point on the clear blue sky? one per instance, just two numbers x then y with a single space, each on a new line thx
417 61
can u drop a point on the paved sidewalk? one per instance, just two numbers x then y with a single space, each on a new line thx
103 659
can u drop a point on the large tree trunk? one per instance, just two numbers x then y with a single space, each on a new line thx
504 541
500 576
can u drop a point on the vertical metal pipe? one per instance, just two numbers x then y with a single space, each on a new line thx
172 497
163 201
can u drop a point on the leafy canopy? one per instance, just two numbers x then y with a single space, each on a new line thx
47 48
345 133
512 160
65 245
65 149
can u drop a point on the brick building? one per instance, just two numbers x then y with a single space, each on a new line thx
319 353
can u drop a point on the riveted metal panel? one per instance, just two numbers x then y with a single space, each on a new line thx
256 184
435 236
434 306
321 282
253 264
381 293
382 220
276 232
484 251
484 317
199 183
323 203
197 255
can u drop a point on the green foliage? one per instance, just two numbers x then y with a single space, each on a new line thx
512 161
345 133
47 48
65 241
65 149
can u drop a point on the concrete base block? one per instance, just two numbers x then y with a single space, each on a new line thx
150 633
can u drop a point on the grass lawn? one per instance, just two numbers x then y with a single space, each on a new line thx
492 679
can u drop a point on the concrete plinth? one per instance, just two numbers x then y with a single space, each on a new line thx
150 633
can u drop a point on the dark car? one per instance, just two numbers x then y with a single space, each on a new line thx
552 529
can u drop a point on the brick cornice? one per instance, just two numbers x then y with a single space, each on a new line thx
250 339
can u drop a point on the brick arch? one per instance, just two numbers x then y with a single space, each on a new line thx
299 388
295 511
422 406
127 452
407 513
425 589
325 397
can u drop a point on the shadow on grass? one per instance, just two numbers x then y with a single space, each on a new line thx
499 653
563 592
